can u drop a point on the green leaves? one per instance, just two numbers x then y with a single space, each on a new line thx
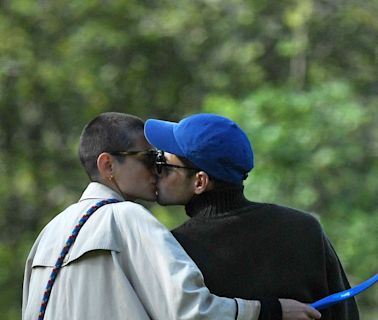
298 76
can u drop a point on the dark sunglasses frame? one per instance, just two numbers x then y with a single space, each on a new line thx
161 162
149 156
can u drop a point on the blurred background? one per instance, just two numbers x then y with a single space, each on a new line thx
299 76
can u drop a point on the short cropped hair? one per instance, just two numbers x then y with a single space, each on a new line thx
108 132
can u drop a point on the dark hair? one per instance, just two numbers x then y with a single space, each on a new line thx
218 184
108 132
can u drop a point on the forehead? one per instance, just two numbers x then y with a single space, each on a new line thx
172 159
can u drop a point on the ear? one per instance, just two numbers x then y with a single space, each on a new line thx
105 165
202 182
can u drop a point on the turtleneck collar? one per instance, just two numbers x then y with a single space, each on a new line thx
217 202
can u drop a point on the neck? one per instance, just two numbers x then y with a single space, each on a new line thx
112 184
216 202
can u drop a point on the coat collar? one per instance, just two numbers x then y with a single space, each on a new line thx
96 190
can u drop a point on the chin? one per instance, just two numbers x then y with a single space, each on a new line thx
151 198
164 202
160 201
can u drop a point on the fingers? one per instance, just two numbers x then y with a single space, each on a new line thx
313 313
295 310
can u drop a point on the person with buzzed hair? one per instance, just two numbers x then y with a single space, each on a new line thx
106 257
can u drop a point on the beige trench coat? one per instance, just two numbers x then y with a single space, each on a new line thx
123 265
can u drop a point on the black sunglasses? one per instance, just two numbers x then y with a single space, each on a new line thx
147 156
161 163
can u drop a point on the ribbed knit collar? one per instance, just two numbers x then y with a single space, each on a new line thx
217 202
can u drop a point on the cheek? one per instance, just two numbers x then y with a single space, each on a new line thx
163 183
142 172
173 186
168 183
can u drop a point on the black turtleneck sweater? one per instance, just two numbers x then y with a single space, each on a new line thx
252 250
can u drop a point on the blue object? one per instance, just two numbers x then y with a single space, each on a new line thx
213 143
344 295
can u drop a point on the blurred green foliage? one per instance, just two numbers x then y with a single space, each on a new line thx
300 76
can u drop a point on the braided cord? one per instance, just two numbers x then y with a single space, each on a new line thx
71 239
